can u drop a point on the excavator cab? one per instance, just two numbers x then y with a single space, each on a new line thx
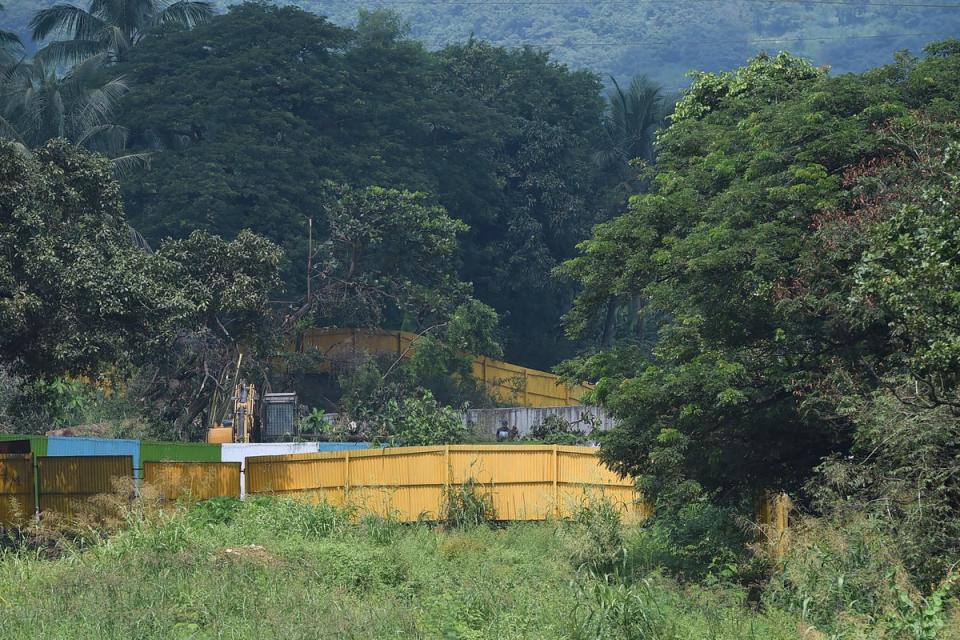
237 425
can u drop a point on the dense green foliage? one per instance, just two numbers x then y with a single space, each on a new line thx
385 251
76 294
80 295
257 108
798 252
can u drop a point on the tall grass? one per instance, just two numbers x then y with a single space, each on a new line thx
272 568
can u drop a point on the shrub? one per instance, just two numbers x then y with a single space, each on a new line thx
467 505
593 536
840 575
420 421
215 511
697 541
556 430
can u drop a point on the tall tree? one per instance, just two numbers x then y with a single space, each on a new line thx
10 44
39 104
387 252
109 27
632 121
749 243
76 295
261 106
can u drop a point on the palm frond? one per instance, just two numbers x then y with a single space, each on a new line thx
97 105
185 13
63 53
109 139
65 21
115 40
138 241
10 43
9 131
125 165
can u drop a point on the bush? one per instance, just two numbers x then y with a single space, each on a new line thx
593 537
467 505
556 430
902 476
421 421
697 541
848 578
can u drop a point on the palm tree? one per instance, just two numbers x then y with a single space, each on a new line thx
109 27
630 127
39 104
10 45
632 121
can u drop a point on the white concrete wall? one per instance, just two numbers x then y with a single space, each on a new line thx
487 421
240 453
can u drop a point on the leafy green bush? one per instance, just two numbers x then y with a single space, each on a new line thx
421 420
556 430
467 505
697 541
593 536
215 511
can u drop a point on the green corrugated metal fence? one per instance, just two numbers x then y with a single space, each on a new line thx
179 452
38 444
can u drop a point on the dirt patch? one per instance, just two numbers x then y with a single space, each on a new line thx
249 553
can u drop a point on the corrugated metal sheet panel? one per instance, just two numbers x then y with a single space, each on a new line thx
66 484
38 444
194 480
16 489
58 446
581 465
317 480
240 452
509 383
179 451
525 482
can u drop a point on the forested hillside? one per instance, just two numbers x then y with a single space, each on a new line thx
503 140
662 39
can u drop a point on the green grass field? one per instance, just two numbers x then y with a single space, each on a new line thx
269 568
273 569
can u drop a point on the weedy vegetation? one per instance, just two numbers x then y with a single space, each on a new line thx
275 568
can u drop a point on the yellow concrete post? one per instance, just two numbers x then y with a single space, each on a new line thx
556 480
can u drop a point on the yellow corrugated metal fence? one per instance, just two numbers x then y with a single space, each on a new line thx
67 484
525 482
508 383
17 503
194 480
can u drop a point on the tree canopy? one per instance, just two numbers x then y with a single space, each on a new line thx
76 294
258 108
788 249
661 39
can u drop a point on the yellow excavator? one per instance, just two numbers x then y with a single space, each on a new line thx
234 419
238 423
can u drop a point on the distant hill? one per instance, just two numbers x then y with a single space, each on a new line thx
662 39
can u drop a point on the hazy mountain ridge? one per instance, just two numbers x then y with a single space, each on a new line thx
662 40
